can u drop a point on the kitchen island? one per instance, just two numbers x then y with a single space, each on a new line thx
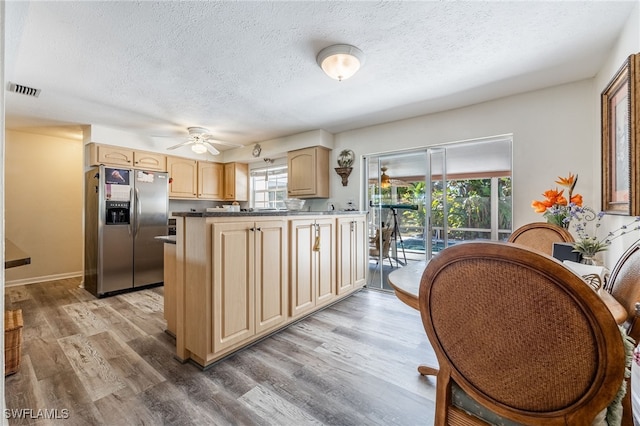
240 276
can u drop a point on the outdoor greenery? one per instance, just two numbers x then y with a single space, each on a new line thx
468 204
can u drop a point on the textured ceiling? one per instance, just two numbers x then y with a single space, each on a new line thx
247 70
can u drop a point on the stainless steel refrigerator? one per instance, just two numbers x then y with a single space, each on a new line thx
125 210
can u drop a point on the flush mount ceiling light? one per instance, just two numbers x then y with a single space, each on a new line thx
340 61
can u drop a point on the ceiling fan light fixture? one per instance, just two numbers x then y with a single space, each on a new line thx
198 148
385 181
340 61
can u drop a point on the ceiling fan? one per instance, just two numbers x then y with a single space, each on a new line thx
201 141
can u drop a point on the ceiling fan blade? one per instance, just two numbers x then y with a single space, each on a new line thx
210 139
210 148
180 145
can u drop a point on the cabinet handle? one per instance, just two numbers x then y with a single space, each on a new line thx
258 229
252 229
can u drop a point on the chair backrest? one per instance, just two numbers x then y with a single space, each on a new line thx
624 281
540 236
520 334
386 242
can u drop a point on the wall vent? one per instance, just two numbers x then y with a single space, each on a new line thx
23 90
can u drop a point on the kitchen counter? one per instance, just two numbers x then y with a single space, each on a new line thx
240 276
266 213
170 239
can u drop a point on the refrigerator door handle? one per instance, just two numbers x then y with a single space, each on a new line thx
138 211
130 226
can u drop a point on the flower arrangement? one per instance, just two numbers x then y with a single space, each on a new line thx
590 244
556 208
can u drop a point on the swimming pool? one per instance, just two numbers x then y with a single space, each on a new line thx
418 244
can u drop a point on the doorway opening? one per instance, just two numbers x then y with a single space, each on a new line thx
423 200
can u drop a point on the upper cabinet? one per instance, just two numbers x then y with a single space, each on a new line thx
124 157
308 172
207 180
236 181
183 177
149 161
210 180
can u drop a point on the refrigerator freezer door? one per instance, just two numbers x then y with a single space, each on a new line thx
151 215
116 259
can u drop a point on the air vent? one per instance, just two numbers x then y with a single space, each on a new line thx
23 90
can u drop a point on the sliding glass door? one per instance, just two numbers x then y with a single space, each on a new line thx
422 201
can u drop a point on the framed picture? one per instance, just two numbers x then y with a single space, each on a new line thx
620 101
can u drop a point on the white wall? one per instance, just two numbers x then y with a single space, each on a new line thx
555 131
550 128
628 43
44 205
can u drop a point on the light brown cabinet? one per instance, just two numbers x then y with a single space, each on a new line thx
249 280
238 279
124 157
236 181
312 264
210 180
170 287
195 179
352 253
308 172
183 175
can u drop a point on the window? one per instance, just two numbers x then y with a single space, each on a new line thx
269 187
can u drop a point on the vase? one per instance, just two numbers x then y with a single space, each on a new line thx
589 259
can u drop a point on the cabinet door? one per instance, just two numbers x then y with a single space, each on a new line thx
170 302
236 181
210 180
150 161
114 156
325 261
351 255
302 259
271 274
184 177
361 251
345 255
308 172
233 284
301 172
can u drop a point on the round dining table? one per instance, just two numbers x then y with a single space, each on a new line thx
406 284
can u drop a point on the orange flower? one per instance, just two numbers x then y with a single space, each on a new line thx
555 197
577 200
552 197
568 181
540 206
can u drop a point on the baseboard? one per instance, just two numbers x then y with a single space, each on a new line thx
45 278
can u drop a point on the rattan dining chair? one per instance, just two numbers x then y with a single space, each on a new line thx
381 250
518 337
540 236
624 286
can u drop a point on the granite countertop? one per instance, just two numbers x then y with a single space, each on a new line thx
266 213
170 239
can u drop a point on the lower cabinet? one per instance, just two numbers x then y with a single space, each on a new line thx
249 280
352 256
240 278
170 287
313 267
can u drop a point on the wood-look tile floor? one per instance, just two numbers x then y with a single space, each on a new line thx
108 361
